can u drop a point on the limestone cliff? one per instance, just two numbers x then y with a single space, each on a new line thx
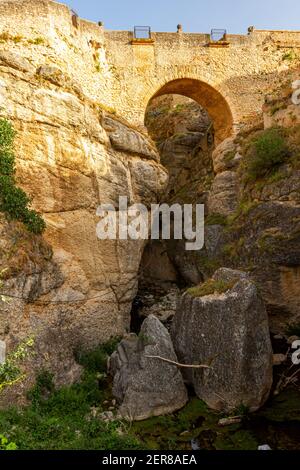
256 191
71 156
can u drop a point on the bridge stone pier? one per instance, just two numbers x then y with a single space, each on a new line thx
230 79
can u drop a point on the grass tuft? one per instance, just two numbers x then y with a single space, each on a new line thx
210 287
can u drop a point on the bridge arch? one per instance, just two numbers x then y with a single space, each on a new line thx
208 97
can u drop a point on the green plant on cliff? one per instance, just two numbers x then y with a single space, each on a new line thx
5 444
38 41
265 153
211 286
13 200
10 372
291 55
69 417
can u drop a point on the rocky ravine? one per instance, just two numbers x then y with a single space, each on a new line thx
70 288
251 224
219 340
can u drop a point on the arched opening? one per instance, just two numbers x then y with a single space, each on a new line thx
184 135
186 118
208 98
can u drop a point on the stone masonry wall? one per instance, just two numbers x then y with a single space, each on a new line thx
125 77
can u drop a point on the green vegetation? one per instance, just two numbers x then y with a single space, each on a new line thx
284 407
13 200
290 56
211 287
62 418
5 36
216 219
244 208
179 108
38 41
233 249
271 239
194 421
293 330
10 372
208 264
265 153
229 156
68 418
6 445
271 179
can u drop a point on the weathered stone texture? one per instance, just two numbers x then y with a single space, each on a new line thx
144 386
82 288
223 197
122 76
230 333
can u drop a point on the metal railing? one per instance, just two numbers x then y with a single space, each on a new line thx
218 35
142 32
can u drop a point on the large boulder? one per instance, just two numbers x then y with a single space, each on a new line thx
224 324
144 386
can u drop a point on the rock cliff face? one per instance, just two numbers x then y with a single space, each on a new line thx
254 205
71 156
252 220
184 135
70 289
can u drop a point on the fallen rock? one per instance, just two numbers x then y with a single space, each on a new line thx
164 308
292 339
278 359
229 421
228 329
107 416
145 386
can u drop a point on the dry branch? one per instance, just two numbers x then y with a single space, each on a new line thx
190 366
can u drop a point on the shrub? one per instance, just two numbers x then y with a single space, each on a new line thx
96 360
293 330
265 153
37 41
5 444
216 219
62 418
10 372
13 200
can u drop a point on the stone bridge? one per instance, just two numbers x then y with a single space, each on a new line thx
229 78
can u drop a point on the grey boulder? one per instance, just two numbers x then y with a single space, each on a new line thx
228 331
143 386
